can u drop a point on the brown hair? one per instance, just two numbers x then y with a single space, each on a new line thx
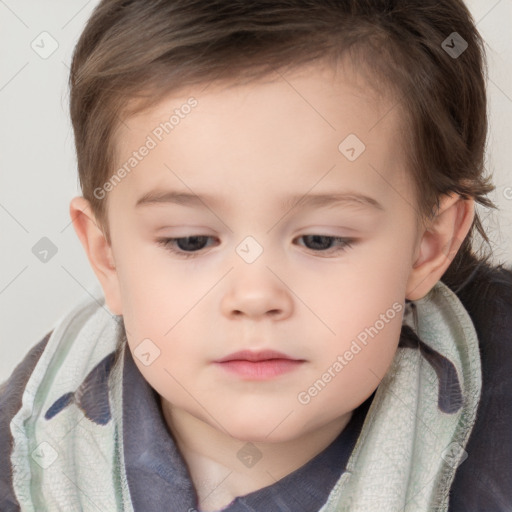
132 53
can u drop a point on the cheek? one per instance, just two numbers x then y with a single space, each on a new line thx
382 273
358 364
148 282
355 295
372 321
375 345
367 319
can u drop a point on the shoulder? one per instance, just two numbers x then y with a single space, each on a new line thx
488 294
11 392
482 481
23 369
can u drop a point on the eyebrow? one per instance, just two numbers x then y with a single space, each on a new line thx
155 197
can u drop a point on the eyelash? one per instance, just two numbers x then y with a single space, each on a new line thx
168 244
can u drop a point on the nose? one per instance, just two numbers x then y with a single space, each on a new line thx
257 295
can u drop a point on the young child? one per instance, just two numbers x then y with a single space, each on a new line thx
258 369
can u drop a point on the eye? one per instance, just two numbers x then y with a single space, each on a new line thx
187 245
324 243
190 246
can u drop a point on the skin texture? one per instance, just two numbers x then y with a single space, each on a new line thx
252 146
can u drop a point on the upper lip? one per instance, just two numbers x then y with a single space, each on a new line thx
260 355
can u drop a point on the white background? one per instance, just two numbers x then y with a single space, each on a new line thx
39 177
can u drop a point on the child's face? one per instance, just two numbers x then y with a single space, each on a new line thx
260 280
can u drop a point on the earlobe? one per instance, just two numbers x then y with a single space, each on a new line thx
439 244
98 250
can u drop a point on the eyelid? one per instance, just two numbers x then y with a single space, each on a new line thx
347 243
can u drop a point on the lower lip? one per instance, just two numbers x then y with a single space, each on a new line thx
260 370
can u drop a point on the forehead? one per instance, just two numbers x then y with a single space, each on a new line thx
286 129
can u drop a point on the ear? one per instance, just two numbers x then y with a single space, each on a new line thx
98 250
439 244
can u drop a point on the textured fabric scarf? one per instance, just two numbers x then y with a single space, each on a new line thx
68 449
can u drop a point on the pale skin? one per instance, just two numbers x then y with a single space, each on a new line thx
252 147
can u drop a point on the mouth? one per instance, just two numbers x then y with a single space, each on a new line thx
260 365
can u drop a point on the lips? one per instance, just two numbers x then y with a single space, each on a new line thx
259 365
261 355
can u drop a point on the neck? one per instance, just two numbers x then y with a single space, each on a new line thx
223 467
